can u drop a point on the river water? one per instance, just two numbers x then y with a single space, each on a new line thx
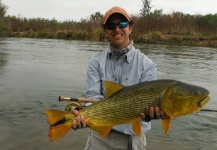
34 72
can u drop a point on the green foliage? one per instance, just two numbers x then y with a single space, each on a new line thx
146 8
4 28
150 27
3 9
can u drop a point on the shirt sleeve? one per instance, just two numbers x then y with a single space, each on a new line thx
93 88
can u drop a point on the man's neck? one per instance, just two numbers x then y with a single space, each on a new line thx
118 47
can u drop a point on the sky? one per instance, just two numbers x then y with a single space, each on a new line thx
63 10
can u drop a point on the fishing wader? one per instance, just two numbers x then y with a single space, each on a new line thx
115 141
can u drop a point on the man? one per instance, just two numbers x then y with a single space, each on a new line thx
123 64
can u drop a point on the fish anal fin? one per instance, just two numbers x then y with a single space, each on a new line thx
59 131
166 123
102 130
136 126
111 88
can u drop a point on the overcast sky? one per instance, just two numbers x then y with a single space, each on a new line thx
77 9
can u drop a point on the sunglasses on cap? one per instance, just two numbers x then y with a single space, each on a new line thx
112 26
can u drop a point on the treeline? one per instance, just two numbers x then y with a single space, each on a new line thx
150 27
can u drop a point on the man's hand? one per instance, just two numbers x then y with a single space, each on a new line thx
154 113
79 121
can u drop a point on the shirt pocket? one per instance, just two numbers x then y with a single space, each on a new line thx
129 79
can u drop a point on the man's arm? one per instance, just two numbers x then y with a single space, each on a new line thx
93 89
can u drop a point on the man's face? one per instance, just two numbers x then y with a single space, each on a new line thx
118 37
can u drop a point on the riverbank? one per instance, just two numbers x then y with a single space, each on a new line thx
183 40
150 38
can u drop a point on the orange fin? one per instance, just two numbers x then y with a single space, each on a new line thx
60 121
136 126
102 130
54 116
59 131
111 88
166 125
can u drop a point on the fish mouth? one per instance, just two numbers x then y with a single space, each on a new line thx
203 100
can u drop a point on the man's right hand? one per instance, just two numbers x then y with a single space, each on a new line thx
79 121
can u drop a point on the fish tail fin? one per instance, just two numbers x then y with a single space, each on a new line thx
59 131
59 124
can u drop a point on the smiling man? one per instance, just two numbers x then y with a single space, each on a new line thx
117 27
123 64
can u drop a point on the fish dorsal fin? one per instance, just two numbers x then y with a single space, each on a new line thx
111 88
136 126
166 125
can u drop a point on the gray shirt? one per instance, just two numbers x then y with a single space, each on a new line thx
132 68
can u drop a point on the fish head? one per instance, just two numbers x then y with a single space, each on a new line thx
182 99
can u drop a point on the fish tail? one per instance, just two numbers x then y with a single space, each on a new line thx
59 122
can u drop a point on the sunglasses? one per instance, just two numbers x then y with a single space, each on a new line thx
121 25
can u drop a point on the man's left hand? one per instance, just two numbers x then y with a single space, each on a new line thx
154 113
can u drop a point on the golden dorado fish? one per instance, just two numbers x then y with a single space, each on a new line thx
123 105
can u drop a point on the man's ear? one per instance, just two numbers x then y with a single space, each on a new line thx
105 32
131 29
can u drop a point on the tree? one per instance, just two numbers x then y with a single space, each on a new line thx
4 28
3 9
96 17
146 8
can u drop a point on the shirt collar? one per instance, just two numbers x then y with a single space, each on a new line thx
128 56
125 52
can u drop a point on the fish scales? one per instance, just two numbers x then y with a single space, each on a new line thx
124 105
127 103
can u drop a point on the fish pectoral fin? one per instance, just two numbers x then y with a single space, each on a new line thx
166 125
136 126
102 130
59 131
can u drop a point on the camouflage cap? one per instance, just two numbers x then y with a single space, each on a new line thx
113 10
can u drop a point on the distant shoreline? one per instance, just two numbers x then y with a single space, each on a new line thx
151 38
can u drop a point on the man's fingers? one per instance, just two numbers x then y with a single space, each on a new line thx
79 125
75 122
151 112
79 122
163 115
142 115
75 112
154 113
157 112
78 119
83 121
74 125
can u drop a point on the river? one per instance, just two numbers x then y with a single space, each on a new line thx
34 72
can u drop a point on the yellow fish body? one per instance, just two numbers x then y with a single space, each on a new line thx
124 105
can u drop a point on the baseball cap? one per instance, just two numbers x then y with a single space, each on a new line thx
114 10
